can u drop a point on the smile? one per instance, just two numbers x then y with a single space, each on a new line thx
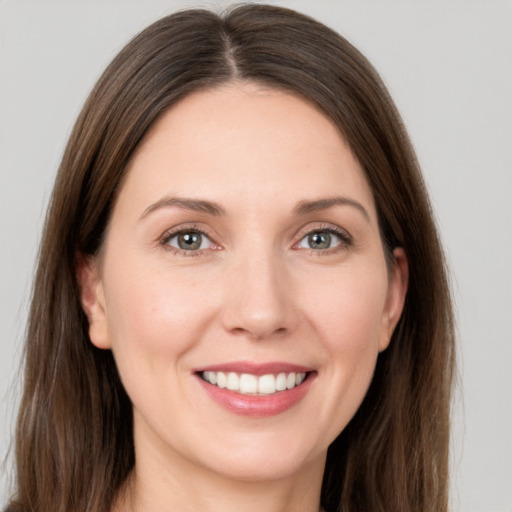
256 389
254 385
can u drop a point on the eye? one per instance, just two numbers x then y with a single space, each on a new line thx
189 240
322 240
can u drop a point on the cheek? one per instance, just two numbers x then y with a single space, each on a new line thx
349 308
154 321
348 321
151 315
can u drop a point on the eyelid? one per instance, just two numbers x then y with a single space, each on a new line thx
164 239
343 234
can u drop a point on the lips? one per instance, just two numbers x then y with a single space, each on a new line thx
251 389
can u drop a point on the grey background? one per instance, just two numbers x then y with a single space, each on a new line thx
448 66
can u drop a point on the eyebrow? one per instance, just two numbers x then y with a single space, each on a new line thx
211 208
196 205
305 207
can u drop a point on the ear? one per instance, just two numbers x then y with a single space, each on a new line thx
93 300
397 290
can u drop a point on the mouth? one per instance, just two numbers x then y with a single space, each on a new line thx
254 385
256 390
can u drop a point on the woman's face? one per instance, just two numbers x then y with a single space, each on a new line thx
242 285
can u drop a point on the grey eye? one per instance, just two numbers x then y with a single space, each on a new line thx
320 240
189 241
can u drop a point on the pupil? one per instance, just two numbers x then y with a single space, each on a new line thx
189 241
320 240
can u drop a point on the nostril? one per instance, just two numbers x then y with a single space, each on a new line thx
258 332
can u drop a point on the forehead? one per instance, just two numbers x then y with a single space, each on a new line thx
248 141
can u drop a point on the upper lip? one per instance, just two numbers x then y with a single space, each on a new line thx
255 368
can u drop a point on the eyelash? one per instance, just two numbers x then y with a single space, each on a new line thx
345 240
169 235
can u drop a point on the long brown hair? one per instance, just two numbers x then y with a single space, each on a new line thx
74 446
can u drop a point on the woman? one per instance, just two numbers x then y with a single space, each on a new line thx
241 299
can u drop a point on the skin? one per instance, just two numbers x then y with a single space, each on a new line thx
255 291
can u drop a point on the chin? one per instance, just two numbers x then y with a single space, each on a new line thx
265 458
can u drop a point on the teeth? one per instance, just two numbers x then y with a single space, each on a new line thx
248 384
267 384
233 382
221 379
281 382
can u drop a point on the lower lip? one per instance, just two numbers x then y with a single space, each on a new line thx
257 406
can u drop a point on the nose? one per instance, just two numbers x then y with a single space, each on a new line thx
258 300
